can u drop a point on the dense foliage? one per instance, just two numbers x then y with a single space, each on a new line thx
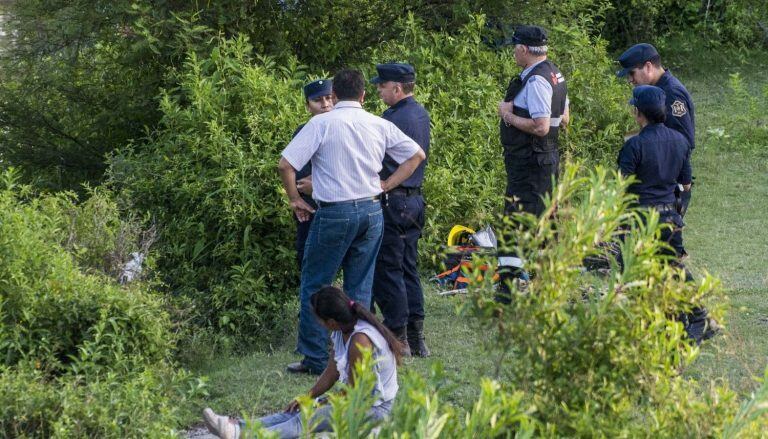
80 78
80 356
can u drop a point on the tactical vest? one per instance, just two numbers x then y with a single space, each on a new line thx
518 141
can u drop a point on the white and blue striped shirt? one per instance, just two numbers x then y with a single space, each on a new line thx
346 147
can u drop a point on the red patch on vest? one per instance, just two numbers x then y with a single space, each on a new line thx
554 78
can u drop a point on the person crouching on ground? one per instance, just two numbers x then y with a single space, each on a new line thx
353 328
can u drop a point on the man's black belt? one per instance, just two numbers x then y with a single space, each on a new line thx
407 191
339 203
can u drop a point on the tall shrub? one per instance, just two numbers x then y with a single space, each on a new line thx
210 181
80 356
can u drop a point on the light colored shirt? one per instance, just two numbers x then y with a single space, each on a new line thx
536 95
385 365
346 147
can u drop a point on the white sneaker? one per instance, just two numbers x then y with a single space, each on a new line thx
228 429
211 420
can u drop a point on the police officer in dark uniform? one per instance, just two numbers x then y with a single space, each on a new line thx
396 283
534 108
659 158
317 97
641 64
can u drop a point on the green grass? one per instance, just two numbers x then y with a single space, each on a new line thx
726 231
726 235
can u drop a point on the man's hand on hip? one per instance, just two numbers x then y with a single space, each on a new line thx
302 210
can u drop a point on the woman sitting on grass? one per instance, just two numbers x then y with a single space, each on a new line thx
353 328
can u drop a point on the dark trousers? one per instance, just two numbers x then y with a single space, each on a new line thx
529 178
396 284
673 237
302 232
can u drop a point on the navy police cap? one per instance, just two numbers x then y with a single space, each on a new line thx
530 36
648 99
397 72
315 89
635 56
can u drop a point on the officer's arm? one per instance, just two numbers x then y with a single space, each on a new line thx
538 127
288 176
628 159
566 119
539 94
685 172
403 171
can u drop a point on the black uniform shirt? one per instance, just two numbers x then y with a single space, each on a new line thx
659 158
679 106
413 120
306 171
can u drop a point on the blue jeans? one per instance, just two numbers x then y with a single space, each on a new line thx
346 236
289 426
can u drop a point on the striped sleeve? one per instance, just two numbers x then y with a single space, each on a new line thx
303 146
399 146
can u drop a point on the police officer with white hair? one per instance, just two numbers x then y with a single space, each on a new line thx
534 108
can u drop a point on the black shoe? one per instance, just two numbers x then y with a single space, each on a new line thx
416 339
401 334
300 367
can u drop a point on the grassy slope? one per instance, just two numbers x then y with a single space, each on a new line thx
726 235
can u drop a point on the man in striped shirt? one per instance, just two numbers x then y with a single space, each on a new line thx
346 147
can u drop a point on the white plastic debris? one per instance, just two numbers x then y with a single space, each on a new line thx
132 268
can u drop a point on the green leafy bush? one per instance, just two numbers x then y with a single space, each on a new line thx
735 24
210 180
80 356
114 405
59 318
599 353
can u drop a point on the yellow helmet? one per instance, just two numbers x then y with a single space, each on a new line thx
459 235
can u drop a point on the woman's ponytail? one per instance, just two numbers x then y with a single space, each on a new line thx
331 303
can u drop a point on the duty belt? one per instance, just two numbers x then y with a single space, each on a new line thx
407 191
664 208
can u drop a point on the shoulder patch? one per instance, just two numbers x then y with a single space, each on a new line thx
679 109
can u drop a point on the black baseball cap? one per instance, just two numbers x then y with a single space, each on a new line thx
635 56
397 72
649 99
530 36
315 89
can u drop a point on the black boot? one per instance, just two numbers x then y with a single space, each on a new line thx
402 336
416 339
